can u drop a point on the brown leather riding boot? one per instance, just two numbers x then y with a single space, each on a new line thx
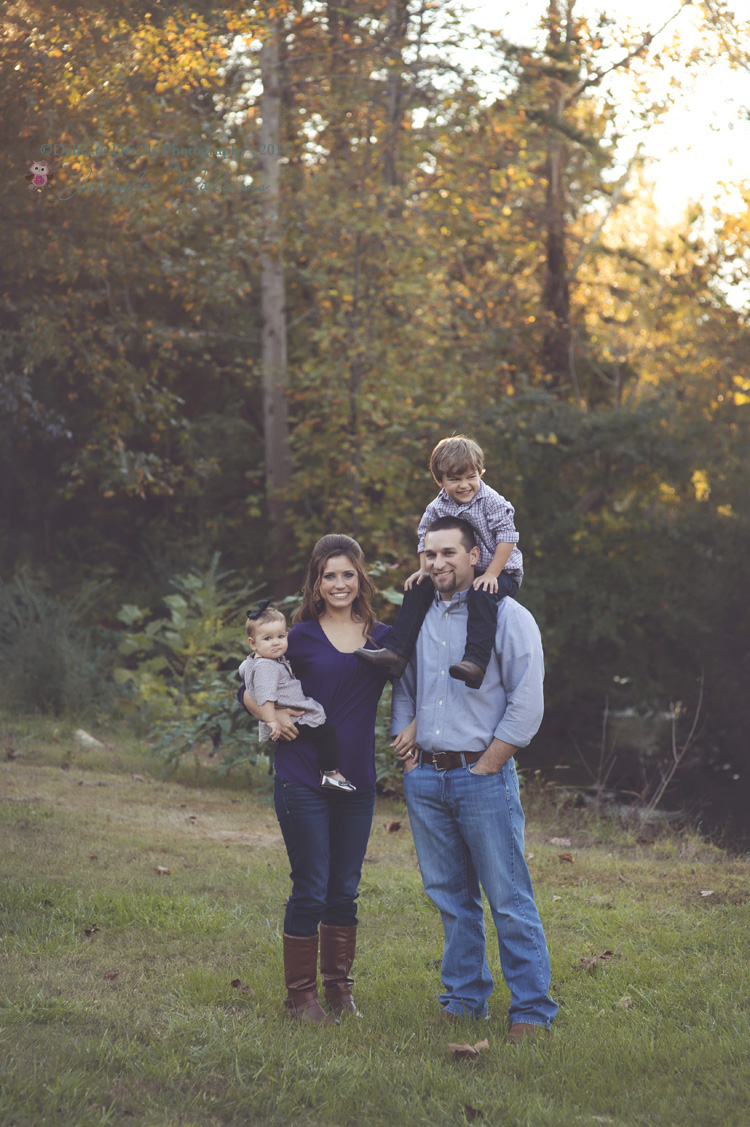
337 946
300 976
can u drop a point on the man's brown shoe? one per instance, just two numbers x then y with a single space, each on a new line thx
467 671
385 660
445 1017
521 1029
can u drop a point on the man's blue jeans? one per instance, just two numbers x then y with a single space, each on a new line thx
326 837
468 830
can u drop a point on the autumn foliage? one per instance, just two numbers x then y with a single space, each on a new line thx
451 261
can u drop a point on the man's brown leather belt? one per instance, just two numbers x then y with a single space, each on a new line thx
446 760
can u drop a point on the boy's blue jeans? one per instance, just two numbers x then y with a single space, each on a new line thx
468 831
480 628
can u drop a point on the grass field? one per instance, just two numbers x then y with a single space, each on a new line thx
116 996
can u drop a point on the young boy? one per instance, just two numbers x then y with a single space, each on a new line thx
269 679
457 464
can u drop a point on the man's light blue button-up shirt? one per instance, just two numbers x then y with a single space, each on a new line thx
451 717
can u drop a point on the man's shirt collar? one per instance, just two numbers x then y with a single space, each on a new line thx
457 598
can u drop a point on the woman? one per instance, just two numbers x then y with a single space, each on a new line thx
326 832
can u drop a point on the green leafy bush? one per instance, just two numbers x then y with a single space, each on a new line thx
171 662
217 719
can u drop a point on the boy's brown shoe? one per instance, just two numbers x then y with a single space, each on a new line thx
385 660
467 671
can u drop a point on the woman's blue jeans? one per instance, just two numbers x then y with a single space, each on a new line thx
468 831
326 839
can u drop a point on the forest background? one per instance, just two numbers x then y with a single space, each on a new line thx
285 249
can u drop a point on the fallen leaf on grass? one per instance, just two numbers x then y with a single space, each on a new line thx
138 778
12 753
626 1002
707 892
111 975
592 960
466 1051
91 930
554 898
472 1112
192 818
529 856
238 984
602 1119
393 826
624 880
559 841
565 857
93 857
64 766
160 869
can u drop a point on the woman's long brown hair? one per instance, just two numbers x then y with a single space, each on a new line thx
336 544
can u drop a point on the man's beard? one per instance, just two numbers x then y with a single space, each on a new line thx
446 582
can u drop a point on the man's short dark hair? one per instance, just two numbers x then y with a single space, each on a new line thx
468 538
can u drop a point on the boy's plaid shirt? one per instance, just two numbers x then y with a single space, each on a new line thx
491 517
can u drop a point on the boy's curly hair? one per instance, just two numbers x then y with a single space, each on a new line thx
456 455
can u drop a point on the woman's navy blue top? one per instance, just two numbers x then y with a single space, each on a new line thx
349 692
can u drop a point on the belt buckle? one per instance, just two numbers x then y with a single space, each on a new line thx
441 755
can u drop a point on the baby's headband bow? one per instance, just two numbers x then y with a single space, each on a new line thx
261 607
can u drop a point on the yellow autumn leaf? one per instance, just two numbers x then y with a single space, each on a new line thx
701 486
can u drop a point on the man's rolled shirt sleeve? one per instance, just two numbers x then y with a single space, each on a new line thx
404 700
518 645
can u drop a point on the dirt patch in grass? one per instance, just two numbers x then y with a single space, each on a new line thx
141 804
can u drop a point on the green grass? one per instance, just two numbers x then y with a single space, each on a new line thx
657 1035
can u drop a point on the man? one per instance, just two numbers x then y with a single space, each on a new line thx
457 747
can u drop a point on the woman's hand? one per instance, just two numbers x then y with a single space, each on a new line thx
284 718
287 729
405 746
415 577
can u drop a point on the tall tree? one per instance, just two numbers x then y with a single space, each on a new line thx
273 305
571 69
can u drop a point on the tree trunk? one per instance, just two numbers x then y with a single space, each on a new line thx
273 309
398 19
556 295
